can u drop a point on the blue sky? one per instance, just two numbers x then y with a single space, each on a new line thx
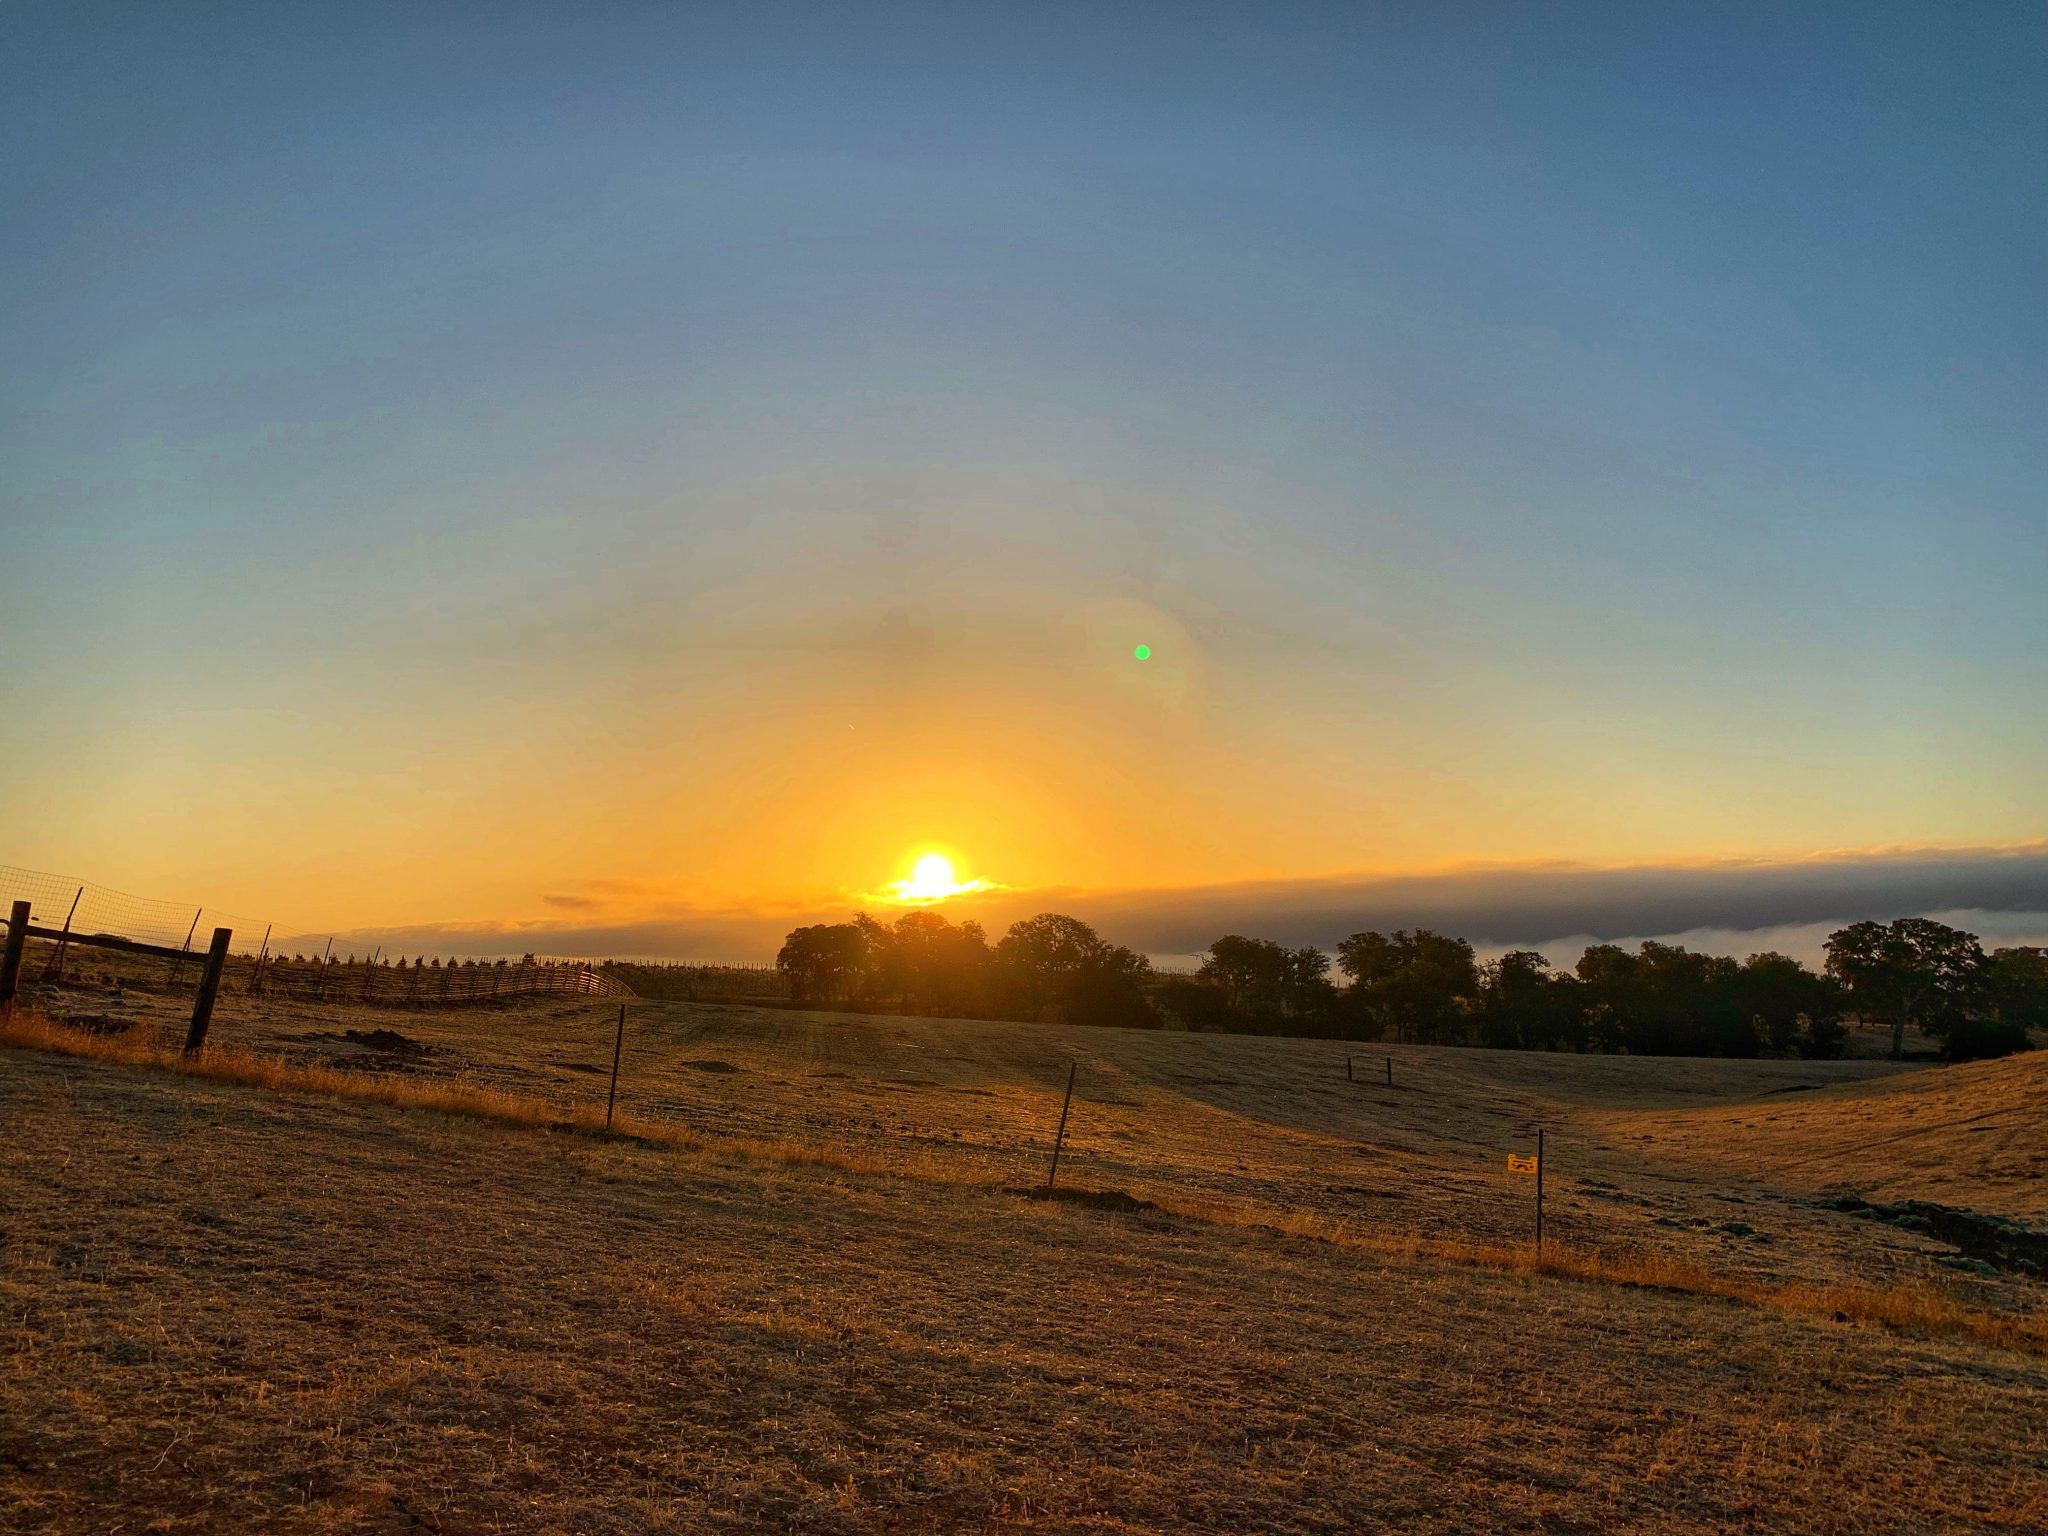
1586 432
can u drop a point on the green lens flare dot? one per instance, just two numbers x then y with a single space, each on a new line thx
1142 652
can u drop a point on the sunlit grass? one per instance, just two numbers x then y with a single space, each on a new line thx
1913 1306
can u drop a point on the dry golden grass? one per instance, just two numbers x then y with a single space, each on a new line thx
1916 1305
236 1310
1962 1134
146 1048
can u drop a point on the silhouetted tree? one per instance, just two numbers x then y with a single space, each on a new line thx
825 962
1056 962
933 966
1523 1004
1195 1005
1268 987
1794 1010
1909 964
1412 984
1665 1000
2009 999
2016 986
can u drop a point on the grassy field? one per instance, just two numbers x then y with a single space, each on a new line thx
813 1305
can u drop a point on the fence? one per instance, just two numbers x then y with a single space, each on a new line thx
80 932
702 983
21 929
425 983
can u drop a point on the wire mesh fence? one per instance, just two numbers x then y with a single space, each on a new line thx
75 920
83 908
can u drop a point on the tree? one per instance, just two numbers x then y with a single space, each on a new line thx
2016 986
1794 1010
932 965
1665 1000
824 962
1059 962
1911 963
1249 972
1410 982
1268 986
1196 1005
2010 998
1524 1005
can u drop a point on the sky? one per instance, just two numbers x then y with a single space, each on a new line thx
574 472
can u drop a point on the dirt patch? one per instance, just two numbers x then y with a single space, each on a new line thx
389 1041
711 1066
1094 1199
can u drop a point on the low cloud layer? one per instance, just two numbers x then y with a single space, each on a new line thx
1732 907
1504 907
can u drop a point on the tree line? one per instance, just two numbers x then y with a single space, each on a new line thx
1426 987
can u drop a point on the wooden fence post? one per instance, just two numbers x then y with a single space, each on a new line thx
1539 1191
209 987
10 959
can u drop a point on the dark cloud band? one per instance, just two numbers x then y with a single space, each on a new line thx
1492 907
1530 905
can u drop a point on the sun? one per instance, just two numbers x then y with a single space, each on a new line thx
932 878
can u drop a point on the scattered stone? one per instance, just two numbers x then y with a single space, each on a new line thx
1995 1240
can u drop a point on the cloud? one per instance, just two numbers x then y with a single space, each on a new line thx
1733 906
1531 904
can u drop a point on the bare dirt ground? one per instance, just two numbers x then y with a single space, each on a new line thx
232 1311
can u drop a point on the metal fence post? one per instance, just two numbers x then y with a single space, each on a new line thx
618 1044
178 965
1060 1139
55 967
256 975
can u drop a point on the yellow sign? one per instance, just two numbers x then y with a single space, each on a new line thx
1521 1164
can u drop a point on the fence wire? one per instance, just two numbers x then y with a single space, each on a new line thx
264 958
81 907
